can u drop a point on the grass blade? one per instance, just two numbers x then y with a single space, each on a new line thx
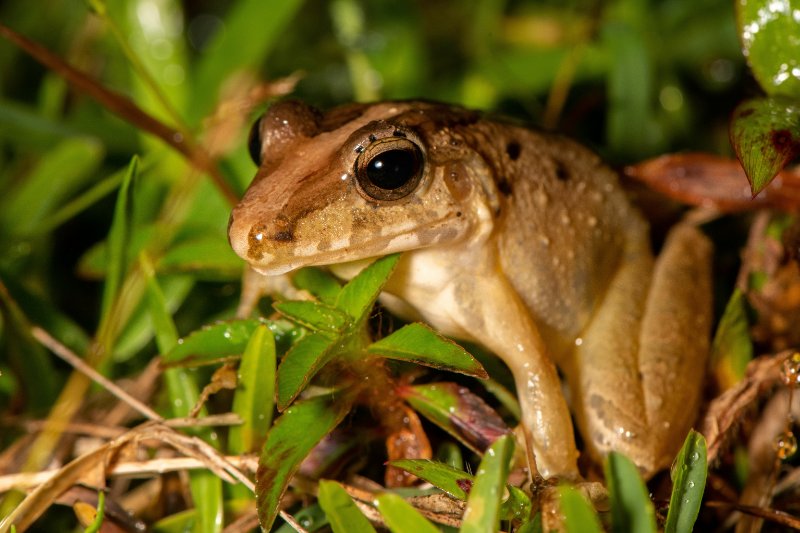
631 508
400 517
688 483
342 513
484 502
254 399
579 516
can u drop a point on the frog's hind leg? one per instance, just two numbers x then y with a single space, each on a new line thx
639 366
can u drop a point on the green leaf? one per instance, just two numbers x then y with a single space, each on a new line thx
765 133
400 517
579 515
458 411
97 523
769 34
356 298
631 508
417 343
212 342
314 315
205 486
732 348
289 441
483 505
250 30
342 513
254 400
301 364
118 240
688 483
319 283
209 255
453 481
62 171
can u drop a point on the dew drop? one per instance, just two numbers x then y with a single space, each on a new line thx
690 484
790 370
785 445
694 457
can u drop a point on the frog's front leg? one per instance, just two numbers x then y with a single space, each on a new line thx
489 309
639 393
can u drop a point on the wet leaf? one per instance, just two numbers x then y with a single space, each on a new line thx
631 508
214 341
314 315
342 513
417 343
453 481
254 397
688 483
769 33
458 411
289 441
356 298
401 517
579 515
483 505
301 364
732 348
765 133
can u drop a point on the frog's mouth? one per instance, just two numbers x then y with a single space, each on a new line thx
280 249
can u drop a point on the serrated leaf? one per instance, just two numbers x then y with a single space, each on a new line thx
769 33
401 517
458 411
314 315
483 505
289 441
631 508
453 481
254 399
301 364
319 283
417 343
342 513
212 342
356 298
579 515
765 133
688 483
732 348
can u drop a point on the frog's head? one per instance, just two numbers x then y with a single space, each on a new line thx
357 182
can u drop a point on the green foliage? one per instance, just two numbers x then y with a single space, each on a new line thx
401 517
688 483
631 508
342 513
732 348
151 273
765 132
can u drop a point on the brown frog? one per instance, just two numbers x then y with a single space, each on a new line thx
519 240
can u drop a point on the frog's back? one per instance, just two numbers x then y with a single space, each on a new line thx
564 227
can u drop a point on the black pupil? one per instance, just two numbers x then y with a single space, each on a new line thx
392 169
254 143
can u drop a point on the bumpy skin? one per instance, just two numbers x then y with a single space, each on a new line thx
519 240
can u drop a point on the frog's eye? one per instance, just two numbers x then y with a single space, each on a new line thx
254 144
389 169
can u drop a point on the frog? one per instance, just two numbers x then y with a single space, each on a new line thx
519 240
